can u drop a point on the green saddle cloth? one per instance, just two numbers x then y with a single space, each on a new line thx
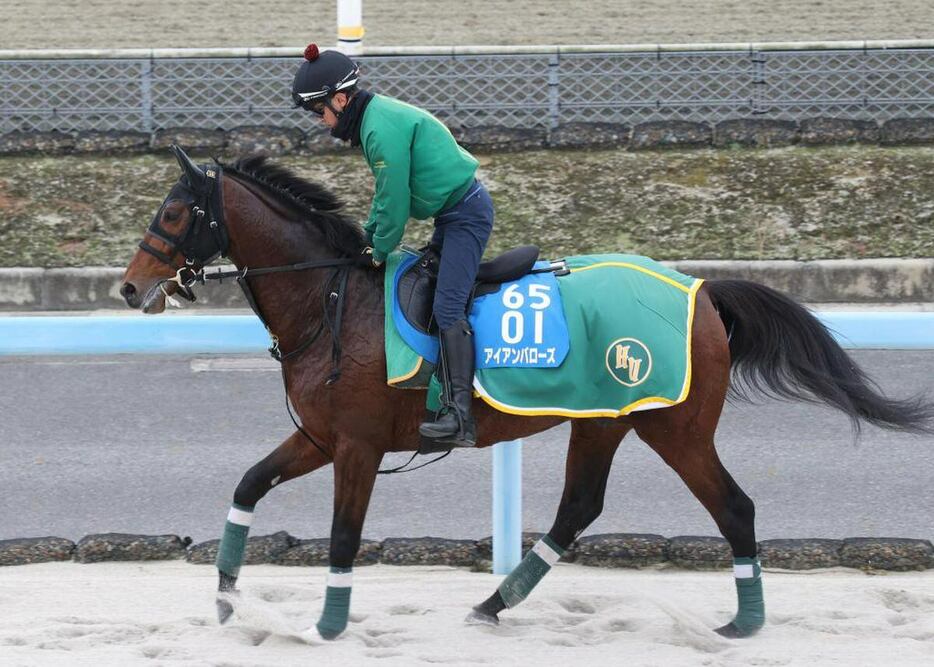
629 320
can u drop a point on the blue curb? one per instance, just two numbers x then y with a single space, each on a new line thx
230 334
897 331
176 334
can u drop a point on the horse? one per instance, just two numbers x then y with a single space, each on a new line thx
293 249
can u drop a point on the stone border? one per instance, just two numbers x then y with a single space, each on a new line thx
653 135
817 281
616 550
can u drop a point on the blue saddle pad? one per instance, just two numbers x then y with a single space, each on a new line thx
521 325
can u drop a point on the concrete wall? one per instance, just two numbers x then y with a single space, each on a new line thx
822 281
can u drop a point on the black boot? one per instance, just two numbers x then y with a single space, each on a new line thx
455 426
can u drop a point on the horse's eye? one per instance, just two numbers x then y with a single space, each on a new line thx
172 216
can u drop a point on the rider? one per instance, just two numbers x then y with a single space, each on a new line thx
421 172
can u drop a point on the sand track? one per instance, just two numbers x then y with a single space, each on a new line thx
162 613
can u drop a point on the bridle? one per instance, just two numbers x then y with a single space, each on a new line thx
206 238
197 248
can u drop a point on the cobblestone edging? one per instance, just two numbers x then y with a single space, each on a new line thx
611 550
818 281
753 132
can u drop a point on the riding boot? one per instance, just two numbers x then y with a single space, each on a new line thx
454 425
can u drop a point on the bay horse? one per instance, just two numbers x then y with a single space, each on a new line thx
294 249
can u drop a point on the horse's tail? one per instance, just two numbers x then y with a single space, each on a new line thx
779 349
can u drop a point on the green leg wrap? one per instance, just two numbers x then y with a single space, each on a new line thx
233 541
751 612
333 619
536 564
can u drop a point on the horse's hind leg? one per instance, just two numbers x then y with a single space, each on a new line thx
688 447
590 454
293 458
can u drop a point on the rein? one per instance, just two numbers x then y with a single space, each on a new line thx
186 277
333 326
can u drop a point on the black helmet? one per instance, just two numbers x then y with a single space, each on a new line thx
321 75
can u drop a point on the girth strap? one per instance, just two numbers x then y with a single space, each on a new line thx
337 298
333 324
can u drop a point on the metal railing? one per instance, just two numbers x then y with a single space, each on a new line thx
523 87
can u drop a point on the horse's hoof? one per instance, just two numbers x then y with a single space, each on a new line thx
478 617
224 610
330 632
732 631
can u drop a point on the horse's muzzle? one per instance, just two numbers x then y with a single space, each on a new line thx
130 295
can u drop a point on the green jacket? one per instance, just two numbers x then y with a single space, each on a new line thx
418 166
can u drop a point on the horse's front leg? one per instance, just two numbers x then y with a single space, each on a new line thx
355 466
293 458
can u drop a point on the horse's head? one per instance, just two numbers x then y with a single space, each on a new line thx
186 234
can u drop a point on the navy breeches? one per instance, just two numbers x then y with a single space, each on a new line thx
461 232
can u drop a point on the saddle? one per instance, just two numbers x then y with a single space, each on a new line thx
416 287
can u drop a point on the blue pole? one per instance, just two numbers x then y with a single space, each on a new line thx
507 506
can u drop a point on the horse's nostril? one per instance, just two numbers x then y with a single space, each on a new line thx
127 290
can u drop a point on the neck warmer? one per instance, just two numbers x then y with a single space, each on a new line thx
348 125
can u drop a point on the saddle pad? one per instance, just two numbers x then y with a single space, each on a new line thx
629 320
409 365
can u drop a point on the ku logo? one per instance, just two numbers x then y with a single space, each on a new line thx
629 361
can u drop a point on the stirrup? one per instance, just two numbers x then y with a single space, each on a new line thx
463 437
437 445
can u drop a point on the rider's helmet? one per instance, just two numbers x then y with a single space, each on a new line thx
320 76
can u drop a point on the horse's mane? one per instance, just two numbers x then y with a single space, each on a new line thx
314 203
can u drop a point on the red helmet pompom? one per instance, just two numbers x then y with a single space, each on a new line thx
311 52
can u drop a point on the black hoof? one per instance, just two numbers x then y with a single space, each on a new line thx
480 617
224 610
732 631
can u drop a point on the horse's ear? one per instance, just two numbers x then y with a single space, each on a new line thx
195 176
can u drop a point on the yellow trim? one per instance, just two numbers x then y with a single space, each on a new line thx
560 412
350 32
692 302
627 265
410 374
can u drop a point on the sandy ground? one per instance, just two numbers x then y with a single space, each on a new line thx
162 613
179 23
